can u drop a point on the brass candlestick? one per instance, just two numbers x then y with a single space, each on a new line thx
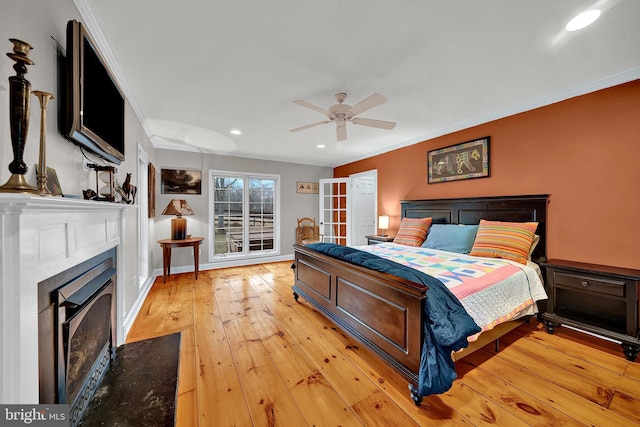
44 98
19 107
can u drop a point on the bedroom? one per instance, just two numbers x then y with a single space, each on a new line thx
600 126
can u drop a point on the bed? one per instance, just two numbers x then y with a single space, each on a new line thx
386 312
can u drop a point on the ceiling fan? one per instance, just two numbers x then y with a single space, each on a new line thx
341 113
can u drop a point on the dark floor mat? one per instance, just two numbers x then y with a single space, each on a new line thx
140 387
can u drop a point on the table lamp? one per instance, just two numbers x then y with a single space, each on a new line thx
383 224
178 207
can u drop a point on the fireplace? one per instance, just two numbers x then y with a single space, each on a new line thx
76 331
40 237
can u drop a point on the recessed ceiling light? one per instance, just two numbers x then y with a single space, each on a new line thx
236 132
582 20
320 146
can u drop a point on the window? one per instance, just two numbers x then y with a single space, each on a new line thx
244 214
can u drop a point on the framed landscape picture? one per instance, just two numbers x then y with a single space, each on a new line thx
180 181
461 161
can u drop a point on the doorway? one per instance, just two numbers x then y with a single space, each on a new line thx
365 206
348 208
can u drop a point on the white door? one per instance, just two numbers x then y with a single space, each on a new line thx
334 213
364 207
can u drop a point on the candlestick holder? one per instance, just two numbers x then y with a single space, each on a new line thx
19 108
44 98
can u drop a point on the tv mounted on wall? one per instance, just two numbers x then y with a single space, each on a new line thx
93 111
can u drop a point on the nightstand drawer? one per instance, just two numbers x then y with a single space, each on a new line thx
598 284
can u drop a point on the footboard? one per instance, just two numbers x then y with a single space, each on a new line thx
383 312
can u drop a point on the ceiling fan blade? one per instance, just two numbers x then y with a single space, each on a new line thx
310 126
372 101
341 131
313 107
373 123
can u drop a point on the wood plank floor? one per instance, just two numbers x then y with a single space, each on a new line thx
251 355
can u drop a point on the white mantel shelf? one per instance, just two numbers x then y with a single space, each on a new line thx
41 237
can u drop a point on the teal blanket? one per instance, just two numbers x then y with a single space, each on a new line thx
447 323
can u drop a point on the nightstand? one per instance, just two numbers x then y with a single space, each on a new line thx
599 299
375 239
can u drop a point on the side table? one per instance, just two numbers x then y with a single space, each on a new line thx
168 244
375 239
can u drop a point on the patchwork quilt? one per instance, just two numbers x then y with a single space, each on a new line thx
491 290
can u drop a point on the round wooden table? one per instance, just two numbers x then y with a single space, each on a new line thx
168 244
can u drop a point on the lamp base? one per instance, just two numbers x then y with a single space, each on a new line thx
18 184
178 228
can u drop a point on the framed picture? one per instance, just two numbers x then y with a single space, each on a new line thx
52 181
180 181
307 187
151 183
461 161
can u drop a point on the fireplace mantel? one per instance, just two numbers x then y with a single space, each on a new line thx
40 237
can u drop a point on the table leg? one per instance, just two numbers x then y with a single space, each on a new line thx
166 262
196 256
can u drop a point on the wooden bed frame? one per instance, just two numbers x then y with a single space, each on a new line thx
385 313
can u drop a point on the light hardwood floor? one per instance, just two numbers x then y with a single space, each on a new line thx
251 355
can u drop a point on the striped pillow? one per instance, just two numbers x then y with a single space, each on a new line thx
412 231
508 240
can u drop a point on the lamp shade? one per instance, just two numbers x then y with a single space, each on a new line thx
178 207
383 223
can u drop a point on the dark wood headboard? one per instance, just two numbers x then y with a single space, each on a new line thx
471 210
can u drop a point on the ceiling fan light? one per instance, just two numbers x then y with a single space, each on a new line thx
235 131
583 19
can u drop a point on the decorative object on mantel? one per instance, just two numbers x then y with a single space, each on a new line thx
129 190
19 108
44 98
53 185
106 175
178 207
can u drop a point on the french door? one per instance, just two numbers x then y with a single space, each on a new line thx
334 213
244 214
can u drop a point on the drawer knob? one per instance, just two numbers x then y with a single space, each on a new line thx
585 283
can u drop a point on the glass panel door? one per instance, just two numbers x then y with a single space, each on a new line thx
244 214
228 227
334 215
261 214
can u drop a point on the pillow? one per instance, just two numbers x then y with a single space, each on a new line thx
412 231
508 240
536 240
451 237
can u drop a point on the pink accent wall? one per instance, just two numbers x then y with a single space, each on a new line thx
584 152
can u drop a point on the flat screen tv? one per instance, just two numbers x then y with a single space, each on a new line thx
93 111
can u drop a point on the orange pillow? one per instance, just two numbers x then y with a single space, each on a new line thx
413 231
508 240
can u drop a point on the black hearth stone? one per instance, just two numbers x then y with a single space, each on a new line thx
140 387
